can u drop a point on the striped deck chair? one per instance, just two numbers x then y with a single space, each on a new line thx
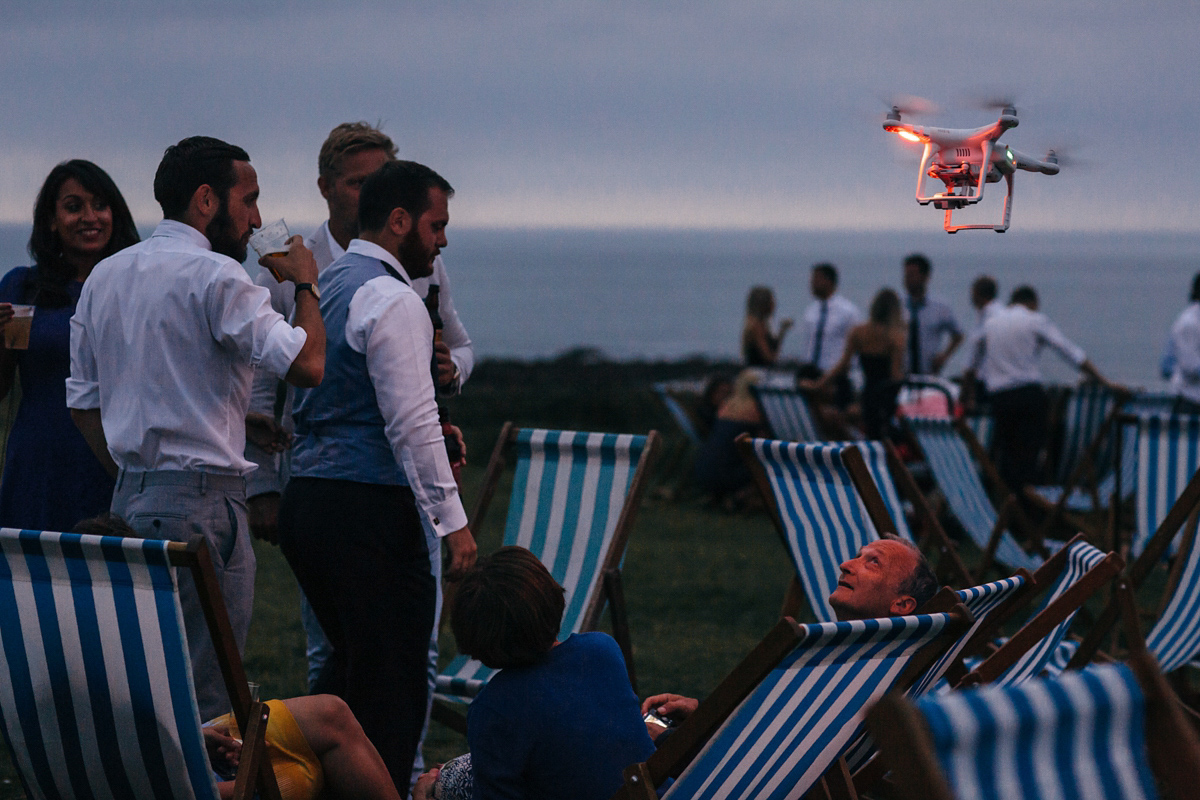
678 412
1085 421
1168 456
982 428
1175 638
789 710
1106 733
949 460
1080 499
820 509
95 679
1069 577
787 414
573 502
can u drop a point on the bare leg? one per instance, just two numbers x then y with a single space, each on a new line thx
353 768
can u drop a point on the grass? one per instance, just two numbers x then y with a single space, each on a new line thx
702 587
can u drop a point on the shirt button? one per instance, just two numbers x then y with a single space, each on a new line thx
437 521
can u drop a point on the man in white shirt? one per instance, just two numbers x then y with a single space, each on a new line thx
1006 356
827 323
1184 347
929 319
369 461
164 343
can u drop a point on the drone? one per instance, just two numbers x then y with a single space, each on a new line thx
966 160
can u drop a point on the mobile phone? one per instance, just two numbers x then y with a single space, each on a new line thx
653 718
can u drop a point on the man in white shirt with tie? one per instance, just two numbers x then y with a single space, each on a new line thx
164 343
929 319
827 323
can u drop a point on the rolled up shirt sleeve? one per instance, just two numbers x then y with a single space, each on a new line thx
83 387
389 325
241 318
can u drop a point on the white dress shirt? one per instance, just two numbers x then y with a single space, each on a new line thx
840 316
1007 354
272 474
935 321
164 341
1185 346
388 323
971 343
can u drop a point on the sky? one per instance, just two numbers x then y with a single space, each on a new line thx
748 115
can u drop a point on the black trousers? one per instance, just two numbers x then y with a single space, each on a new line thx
1021 416
360 556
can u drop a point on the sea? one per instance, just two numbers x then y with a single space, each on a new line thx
671 294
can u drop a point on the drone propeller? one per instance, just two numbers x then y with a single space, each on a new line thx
908 104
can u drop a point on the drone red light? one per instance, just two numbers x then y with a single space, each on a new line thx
912 137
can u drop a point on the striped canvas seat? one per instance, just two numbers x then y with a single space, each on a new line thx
572 506
982 428
678 413
1080 736
799 717
95 679
1080 500
1168 455
787 414
1088 407
819 512
1175 638
950 462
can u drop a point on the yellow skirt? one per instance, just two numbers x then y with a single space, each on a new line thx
297 770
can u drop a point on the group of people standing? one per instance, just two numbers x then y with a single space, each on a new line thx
150 364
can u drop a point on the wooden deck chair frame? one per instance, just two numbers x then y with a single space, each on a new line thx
1008 514
1102 574
669 760
1172 744
254 770
608 590
1183 514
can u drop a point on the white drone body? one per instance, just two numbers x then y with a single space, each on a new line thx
966 160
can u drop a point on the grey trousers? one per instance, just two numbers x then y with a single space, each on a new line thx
177 505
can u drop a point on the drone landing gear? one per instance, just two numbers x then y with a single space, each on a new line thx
1000 228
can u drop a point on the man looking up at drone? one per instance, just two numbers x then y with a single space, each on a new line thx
930 321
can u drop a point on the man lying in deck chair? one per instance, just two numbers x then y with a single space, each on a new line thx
889 577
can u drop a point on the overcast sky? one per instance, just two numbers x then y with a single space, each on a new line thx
602 114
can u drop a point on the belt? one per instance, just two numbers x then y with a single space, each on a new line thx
200 481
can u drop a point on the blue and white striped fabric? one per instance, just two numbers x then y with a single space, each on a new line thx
95 679
982 427
802 716
1175 639
1087 408
1151 403
568 492
678 413
1080 736
955 473
824 520
876 457
787 414
1080 500
1168 456
1080 558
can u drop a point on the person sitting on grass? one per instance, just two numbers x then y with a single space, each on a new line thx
560 719
889 577
314 743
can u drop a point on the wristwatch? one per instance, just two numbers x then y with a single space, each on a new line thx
312 287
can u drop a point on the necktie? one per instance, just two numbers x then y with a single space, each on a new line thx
820 334
914 338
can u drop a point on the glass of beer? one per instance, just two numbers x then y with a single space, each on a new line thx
16 332
271 242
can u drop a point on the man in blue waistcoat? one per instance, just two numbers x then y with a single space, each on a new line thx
349 521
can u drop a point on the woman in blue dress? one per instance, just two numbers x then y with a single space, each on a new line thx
51 478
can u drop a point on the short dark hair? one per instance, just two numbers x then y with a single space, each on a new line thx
920 262
52 274
1195 297
828 270
190 164
507 610
1024 294
922 583
984 288
106 524
397 184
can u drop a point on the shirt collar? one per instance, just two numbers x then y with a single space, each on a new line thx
335 249
181 230
372 250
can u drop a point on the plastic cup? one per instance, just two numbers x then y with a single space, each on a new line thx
16 332
271 241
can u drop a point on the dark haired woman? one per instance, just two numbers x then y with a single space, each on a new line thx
559 719
51 478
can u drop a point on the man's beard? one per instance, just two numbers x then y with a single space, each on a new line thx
222 237
416 260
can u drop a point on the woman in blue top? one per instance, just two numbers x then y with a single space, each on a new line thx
559 719
51 478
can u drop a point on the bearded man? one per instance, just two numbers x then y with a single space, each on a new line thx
164 343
